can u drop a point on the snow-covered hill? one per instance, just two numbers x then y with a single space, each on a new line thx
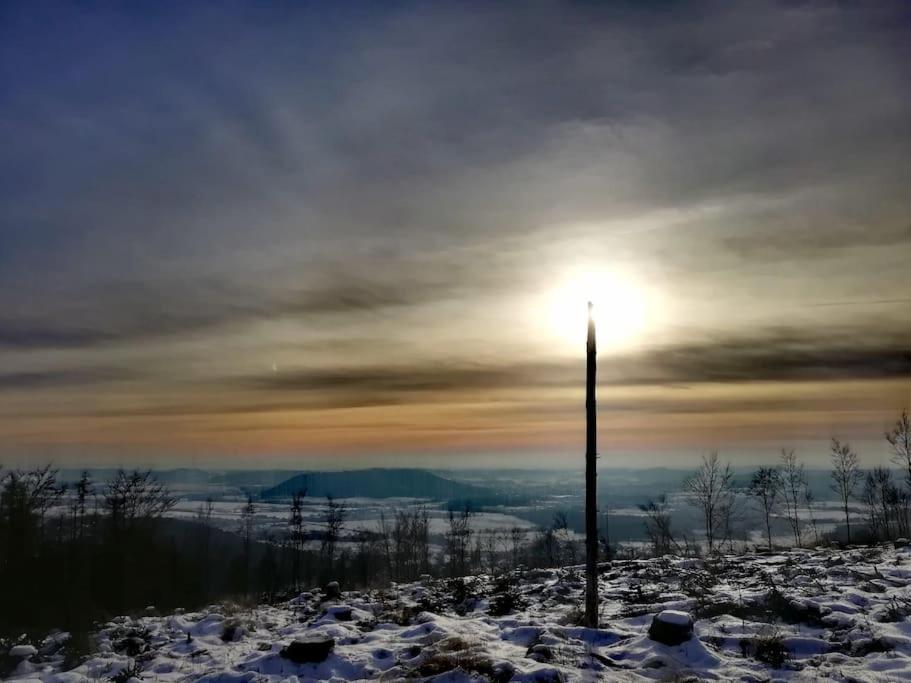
799 615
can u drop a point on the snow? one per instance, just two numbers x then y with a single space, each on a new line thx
803 615
23 651
673 616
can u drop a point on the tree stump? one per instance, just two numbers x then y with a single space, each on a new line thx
308 650
671 627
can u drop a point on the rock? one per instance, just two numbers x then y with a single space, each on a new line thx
332 590
308 650
901 542
130 646
540 653
22 651
338 612
503 671
671 627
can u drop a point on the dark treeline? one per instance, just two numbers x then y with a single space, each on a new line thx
72 557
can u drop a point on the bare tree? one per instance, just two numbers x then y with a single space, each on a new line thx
793 487
809 501
516 541
204 517
83 490
711 489
887 504
458 540
135 498
873 496
296 524
25 499
765 487
491 552
336 514
658 526
899 438
405 543
563 538
846 476
247 524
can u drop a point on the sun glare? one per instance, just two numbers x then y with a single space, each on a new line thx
621 309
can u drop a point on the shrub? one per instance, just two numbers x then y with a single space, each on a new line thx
127 672
768 648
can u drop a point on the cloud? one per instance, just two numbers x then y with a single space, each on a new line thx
138 312
62 378
195 191
774 355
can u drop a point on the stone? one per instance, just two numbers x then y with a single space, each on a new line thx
332 590
340 613
671 627
540 653
308 650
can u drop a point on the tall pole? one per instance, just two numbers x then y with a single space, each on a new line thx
591 475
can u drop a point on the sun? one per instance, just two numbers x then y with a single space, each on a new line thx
622 309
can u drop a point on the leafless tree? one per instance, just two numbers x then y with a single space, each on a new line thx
765 487
458 540
405 543
336 514
899 438
25 499
846 476
658 526
296 527
136 498
516 542
247 525
711 489
204 512
810 502
491 553
887 504
563 537
204 517
83 490
793 487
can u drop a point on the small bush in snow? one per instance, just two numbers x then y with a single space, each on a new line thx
768 648
505 598
133 670
232 630
896 610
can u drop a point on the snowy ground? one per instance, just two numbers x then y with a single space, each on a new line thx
800 615
363 513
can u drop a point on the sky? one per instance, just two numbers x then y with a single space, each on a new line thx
361 234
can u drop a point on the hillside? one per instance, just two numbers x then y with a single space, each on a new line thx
375 483
798 615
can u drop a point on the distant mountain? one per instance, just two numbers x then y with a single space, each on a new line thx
376 483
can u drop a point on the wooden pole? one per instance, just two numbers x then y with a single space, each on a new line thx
591 475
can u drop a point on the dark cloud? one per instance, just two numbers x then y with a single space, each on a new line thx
62 378
775 355
139 312
439 378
